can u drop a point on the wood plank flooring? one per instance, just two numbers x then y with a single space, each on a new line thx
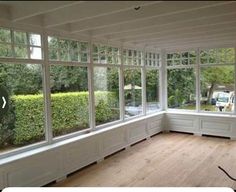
165 160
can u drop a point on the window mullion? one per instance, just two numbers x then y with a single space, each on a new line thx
163 80
47 90
91 88
121 86
234 81
198 92
143 78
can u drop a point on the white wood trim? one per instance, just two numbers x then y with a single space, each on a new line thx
197 81
92 122
47 91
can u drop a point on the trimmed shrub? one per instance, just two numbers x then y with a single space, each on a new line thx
107 107
29 118
70 113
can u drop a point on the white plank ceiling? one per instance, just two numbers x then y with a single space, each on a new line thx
156 24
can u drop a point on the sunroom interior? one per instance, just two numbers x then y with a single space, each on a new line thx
123 93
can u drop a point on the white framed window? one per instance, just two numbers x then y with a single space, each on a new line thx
67 50
20 45
104 54
181 58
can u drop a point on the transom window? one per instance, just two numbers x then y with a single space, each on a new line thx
181 58
217 56
132 57
18 44
104 54
67 50
152 59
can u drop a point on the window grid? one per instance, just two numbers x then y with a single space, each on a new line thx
132 57
152 59
104 54
67 50
217 56
19 45
181 58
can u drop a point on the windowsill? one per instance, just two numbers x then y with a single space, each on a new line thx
201 113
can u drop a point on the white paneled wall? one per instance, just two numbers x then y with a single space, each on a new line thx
202 124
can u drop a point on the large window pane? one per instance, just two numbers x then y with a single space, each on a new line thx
20 38
106 86
23 124
133 92
69 94
5 50
217 88
5 35
181 88
152 90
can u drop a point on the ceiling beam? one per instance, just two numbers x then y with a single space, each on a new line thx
25 9
213 26
230 35
186 34
164 8
193 44
204 13
90 10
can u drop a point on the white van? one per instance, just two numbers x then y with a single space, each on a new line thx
225 101
222 101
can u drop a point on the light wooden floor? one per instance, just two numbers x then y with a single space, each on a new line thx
166 160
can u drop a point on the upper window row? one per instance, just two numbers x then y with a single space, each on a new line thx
181 58
17 44
132 57
207 56
67 50
106 54
152 59
217 56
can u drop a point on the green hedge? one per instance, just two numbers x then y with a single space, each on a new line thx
29 118
69 114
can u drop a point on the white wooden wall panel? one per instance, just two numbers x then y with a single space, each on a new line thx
137 131
2 178
233 131
182 123
154 125
35 170
80 154
113 140
219 126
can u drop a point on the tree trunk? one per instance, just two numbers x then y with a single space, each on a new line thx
211 90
